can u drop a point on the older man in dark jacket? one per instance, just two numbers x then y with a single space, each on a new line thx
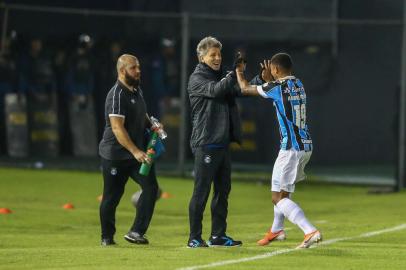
216 124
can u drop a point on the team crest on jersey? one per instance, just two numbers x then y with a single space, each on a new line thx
113 171
207 159
132 101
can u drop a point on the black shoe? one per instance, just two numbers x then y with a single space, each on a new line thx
196 243
136 238
223 241
107 242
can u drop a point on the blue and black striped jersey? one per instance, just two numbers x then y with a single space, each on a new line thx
289 98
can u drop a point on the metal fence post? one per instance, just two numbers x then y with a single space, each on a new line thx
4 29
335 28
183 92
402 109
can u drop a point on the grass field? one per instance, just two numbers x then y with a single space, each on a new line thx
39 234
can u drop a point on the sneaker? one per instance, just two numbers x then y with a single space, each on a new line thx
310 239
107 242
270 236
223 241
197 243
136 238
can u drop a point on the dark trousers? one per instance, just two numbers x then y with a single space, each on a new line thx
115 175
211 165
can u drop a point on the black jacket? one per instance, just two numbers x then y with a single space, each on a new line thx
214 113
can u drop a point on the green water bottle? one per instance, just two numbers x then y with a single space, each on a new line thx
146 167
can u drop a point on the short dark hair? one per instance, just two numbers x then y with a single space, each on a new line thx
282 60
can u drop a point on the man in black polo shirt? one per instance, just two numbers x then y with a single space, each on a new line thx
121 151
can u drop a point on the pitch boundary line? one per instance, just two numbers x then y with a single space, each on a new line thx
283 251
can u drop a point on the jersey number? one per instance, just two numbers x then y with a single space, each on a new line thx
300 112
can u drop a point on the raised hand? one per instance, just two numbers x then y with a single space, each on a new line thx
265 73
239 62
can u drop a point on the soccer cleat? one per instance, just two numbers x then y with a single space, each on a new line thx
270 236
136 238
310 239
223 241
107 242
197 243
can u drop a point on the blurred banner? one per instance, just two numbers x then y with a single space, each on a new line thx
16 125
83 126
43 125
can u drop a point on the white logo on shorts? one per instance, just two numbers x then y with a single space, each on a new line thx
132 101
207 159
113 171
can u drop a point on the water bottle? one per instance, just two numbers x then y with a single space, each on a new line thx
156 127
145 166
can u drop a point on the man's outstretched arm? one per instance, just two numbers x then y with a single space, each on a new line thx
246 88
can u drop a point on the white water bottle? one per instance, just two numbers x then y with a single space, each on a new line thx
156 126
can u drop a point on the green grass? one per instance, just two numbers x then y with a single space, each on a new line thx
39 234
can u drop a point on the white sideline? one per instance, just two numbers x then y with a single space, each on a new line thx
282 251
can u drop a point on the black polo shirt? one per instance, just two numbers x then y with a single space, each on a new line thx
130 105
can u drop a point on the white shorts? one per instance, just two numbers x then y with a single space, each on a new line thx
289 169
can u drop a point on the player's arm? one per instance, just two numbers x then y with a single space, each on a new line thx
117 125
267 90
246 88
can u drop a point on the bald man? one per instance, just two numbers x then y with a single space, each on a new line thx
122 152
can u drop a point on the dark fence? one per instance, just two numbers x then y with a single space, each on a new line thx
350 69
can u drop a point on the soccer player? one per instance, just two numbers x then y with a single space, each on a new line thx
289 99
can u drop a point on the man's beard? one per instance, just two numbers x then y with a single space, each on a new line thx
131 81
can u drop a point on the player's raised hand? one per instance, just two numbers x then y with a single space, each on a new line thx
265 73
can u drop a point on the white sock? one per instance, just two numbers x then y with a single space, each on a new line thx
295 214
278 220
